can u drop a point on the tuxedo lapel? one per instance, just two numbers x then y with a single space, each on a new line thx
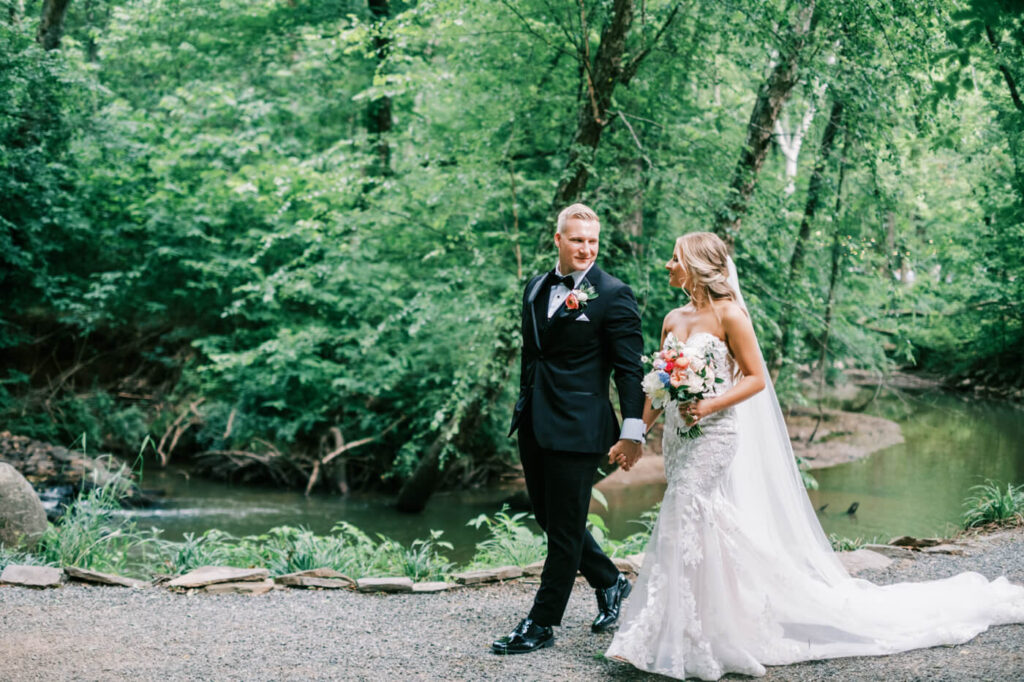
563 313
530 298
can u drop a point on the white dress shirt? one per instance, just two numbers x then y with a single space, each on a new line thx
632 428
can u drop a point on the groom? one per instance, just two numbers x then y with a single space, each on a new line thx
579 325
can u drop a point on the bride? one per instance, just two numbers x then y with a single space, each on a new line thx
738 573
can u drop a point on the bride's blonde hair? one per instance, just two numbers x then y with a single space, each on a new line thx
705 257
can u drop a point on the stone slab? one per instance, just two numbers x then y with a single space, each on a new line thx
534 569
910 541
625 565
863 560
319 573
944 549
431 587
88 576
384 584
891 551
244 587
488 575
32 576
211 575
292 580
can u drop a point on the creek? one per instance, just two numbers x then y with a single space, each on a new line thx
914 488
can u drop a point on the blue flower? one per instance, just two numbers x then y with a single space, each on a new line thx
664 378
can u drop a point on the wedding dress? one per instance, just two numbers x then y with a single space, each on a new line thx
738 573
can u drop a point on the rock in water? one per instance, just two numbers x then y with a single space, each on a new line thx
22 517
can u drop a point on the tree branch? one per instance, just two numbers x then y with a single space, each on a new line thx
1010 83
634 64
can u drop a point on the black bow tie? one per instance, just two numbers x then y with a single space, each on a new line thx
568 281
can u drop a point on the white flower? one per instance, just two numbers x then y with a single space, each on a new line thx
659 398
581 295
696 358
652 383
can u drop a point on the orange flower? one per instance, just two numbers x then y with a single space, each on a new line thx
572 303
678 377
682 362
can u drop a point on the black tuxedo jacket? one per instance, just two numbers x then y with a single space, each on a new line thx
568 360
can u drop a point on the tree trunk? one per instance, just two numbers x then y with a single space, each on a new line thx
796 262
92 49
15 11
417 489
1014 128
772 96
790 143
1011 84
833 281
51 26
378 111
602 77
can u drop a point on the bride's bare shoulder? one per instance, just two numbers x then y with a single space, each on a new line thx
678 313
731 311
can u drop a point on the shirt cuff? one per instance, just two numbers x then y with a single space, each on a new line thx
632 429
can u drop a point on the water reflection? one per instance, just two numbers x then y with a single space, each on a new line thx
918 487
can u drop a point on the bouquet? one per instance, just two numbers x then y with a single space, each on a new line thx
680 373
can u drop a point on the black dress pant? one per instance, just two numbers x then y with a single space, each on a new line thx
559 486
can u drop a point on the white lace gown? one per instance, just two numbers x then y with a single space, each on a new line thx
714 597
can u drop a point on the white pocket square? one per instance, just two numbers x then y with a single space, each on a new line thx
583 318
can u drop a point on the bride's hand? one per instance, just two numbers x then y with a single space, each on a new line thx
694 412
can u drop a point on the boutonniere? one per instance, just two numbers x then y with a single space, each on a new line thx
580 296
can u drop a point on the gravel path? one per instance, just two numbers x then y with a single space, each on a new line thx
101 633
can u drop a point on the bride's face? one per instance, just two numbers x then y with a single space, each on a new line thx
676 271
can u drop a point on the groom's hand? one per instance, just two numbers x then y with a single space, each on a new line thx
625 453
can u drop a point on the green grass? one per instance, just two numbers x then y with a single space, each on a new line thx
17 557
93 534
285 549
90 534
845 544
991 504
510 541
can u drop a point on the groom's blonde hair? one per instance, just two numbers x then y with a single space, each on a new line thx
578 211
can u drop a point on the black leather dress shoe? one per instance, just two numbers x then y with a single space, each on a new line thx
527 637
609 602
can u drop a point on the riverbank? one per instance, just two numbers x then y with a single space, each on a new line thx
838 437
82 632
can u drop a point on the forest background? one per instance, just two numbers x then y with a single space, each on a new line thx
288 238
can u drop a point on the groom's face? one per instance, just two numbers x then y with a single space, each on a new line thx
577 244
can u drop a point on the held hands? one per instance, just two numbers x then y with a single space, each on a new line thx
695 411
625 453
